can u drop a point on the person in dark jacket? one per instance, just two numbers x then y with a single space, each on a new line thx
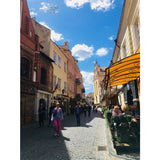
41 112
89 111
85 110
77 113
50 113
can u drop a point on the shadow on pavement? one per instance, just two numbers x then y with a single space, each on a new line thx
70 120
41 144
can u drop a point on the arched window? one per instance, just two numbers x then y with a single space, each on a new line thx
25 67
43 76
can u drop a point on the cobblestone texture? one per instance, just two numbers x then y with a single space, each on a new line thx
75 143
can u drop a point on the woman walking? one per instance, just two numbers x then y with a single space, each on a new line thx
57 117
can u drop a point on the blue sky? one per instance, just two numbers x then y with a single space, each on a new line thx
90 27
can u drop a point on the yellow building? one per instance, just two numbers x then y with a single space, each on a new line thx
127 44
75 80
59 76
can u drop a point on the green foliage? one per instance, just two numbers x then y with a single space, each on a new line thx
104 109
116 119
126 130
128 117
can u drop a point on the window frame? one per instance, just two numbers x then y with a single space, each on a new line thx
25 65
55 57
59 84
65 67
59 61
43 79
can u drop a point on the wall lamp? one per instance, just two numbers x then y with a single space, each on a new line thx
116 43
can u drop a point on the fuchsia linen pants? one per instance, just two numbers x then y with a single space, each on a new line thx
57 126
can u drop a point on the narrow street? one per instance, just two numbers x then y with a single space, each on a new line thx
76 143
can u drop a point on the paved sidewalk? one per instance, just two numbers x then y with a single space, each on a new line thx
87 142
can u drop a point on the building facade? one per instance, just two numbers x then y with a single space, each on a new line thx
99 75
127 44
29 44
59 76
43 69
90 99
75 90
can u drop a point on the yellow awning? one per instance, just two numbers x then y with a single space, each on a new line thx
123 71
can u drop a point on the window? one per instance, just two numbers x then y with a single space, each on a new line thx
65 87
65 67
43 76
54 81
54 57
25 67
59 61
27 25
34 75
59 84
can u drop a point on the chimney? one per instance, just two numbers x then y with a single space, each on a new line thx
34 18
66 43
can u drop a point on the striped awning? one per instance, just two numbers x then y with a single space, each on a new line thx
123 71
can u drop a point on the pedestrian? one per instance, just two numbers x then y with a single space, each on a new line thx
77 112
57 117
125 109
116 111
89 111
50 113
41 112
94 108
85 109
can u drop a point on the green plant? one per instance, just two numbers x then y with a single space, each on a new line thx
128 117
116 119
104 109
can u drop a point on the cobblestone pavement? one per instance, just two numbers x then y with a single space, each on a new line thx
86 142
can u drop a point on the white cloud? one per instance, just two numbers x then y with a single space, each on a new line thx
102 52
45 6
98 5
82 51
33 13
49 7
87 79
54 36
104 5
76 3
110 38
